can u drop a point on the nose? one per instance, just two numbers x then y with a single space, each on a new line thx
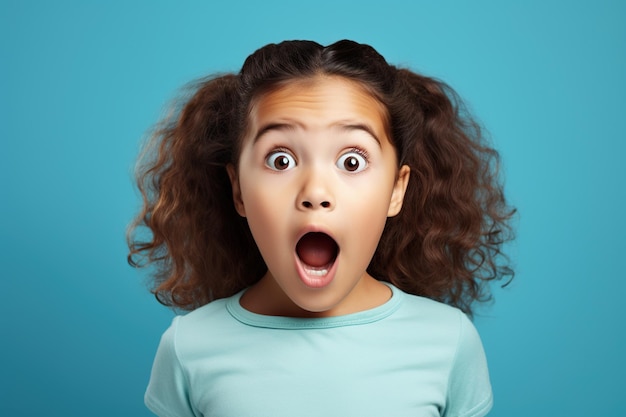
315 193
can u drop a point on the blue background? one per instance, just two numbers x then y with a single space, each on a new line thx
81 82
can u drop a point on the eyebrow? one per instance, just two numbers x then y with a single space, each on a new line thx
347 126
281 127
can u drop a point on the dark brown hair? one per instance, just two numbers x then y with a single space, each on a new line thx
445 243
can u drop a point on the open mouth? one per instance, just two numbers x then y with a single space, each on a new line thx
317 252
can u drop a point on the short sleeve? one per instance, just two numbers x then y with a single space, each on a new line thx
167 394
469 388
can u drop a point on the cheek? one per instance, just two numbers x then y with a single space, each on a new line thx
256 204
264 207
366 211
370 195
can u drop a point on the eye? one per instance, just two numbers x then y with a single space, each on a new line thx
280 160
353 161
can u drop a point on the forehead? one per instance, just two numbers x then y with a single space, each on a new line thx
319 102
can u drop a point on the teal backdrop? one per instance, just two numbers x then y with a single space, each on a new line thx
82 81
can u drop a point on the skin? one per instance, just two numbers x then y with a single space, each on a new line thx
317 157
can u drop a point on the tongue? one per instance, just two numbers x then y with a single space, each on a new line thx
316 249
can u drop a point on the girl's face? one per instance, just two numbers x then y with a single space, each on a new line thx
317 179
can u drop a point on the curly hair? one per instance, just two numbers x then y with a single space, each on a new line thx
445 244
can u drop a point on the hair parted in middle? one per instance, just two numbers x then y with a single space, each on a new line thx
445 244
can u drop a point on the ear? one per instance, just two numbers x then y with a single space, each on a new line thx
399 189
234 184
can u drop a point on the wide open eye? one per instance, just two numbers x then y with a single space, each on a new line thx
353 161
280 161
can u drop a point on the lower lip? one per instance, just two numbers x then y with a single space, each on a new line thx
313 280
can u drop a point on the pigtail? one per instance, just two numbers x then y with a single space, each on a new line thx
197 242
446 242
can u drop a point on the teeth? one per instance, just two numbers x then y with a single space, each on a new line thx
316 272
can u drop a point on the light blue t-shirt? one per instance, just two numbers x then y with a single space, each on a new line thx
408 357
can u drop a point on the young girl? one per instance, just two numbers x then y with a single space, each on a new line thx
329 218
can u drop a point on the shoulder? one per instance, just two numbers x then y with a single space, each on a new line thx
427 304
441 338
452 334
443 320
425 311
449 331
214 311
450 339
207 322
201 330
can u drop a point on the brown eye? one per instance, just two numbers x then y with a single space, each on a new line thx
280 161
352 162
